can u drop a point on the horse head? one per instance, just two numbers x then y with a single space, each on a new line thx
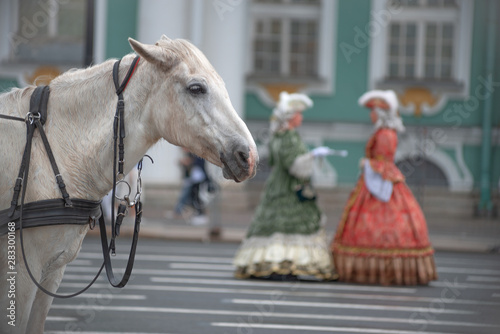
198 114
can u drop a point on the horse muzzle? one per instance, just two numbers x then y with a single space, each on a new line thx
240 163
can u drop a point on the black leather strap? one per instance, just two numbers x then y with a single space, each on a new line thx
51 212
29 137
119 130
106 250
12 118
55 169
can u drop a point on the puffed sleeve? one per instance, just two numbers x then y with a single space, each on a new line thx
381 151
296 157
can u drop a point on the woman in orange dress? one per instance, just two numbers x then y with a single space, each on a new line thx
382 237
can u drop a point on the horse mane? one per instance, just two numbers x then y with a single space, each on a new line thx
75 77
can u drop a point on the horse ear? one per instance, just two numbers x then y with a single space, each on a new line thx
154 54
165 38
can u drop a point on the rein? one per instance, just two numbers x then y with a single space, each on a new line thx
76 211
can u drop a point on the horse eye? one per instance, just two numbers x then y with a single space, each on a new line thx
197 89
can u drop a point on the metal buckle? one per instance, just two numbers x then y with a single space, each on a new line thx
30 117
92 220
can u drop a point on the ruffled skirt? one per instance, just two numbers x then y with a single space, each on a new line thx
285 254
383 242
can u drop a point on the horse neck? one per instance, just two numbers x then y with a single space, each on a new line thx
82 110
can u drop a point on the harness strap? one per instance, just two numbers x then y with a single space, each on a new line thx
12 118
51 212
119 130
106 250
55 169
22 169
35 119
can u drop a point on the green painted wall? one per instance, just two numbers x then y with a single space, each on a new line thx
121 24
350 71
351 75
7 84
347 168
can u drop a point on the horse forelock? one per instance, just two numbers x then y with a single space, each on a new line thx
193 58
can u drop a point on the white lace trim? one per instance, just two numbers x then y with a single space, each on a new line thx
302 251
302 166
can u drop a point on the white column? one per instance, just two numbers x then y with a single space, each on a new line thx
224 44
100 14
157 17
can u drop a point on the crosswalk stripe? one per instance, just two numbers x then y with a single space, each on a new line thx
138 271
465 285
163 258
87 332
62 319
110 295
483 279
200 266
292 293
254 313
321 328
467 262
293 285
467 271
343 305
79 262
142 248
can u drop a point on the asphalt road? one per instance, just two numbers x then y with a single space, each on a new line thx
187 287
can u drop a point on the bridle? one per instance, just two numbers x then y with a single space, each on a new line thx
81 211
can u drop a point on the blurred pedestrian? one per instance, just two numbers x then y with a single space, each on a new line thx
286 238
382 237
194 177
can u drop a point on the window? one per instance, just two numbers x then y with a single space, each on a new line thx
424 42
423 49
48 32
285 39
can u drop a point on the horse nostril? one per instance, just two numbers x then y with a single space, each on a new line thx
242 155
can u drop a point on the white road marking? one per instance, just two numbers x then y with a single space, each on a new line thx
286 292
87 332
201 266
344 306
163 258
467 271
293 285
464 285
138 271
79 262
253 313
483 279
111 295
321 328
65 319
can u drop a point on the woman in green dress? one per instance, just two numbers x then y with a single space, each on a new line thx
286 237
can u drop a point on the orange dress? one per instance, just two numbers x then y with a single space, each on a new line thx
383 242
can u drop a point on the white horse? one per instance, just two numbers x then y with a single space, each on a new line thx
174 94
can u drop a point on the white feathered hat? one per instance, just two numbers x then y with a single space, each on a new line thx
386 117
289 104
388 96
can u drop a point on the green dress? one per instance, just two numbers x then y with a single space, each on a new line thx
286 235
